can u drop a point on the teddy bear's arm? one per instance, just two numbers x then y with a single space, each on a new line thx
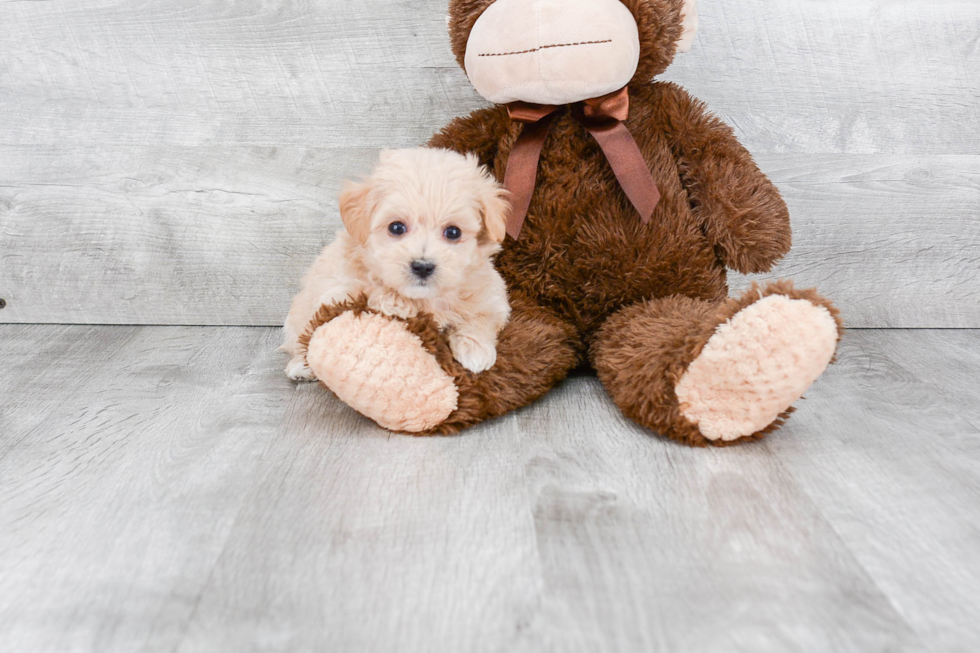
478 133
741 210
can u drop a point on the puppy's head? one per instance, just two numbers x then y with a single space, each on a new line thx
425 218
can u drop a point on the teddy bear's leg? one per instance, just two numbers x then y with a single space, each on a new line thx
401 373
716 373
380 368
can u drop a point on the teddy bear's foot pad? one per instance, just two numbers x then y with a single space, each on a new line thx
756 365
379 368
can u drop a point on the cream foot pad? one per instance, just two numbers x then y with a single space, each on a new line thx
756 365
379 368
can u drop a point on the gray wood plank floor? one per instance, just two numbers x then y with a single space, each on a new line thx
166 489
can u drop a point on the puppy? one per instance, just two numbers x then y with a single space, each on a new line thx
419 236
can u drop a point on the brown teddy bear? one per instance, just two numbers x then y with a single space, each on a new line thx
629 202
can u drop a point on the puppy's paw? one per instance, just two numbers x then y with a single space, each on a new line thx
473 354
298 370
389 303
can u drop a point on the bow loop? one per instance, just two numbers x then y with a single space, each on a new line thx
526 112
615 106
603 117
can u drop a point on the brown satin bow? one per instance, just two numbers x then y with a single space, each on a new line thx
603 118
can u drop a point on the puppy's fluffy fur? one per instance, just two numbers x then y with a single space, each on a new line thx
428 191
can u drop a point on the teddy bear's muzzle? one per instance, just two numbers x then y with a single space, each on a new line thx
552 51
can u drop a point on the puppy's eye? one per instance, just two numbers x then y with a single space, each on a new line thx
452 232
397 228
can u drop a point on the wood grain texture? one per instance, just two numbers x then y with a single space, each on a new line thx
166 489
170 162
897 472
124 457
164 235
188 235
792 76
895 241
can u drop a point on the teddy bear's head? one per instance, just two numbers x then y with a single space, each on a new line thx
563 51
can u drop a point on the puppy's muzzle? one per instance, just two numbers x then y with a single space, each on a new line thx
422 268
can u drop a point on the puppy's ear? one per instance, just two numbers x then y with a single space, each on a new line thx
496 208
494 202
355 210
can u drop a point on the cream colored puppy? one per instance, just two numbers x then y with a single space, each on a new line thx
419 236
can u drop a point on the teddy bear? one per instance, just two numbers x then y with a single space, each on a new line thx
629 203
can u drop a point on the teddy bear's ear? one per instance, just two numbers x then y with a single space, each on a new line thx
355 210
690 13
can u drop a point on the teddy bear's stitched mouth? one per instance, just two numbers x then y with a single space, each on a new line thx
543 47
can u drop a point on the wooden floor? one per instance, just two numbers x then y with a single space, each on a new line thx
166 489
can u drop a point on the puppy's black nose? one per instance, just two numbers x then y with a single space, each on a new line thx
423 269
